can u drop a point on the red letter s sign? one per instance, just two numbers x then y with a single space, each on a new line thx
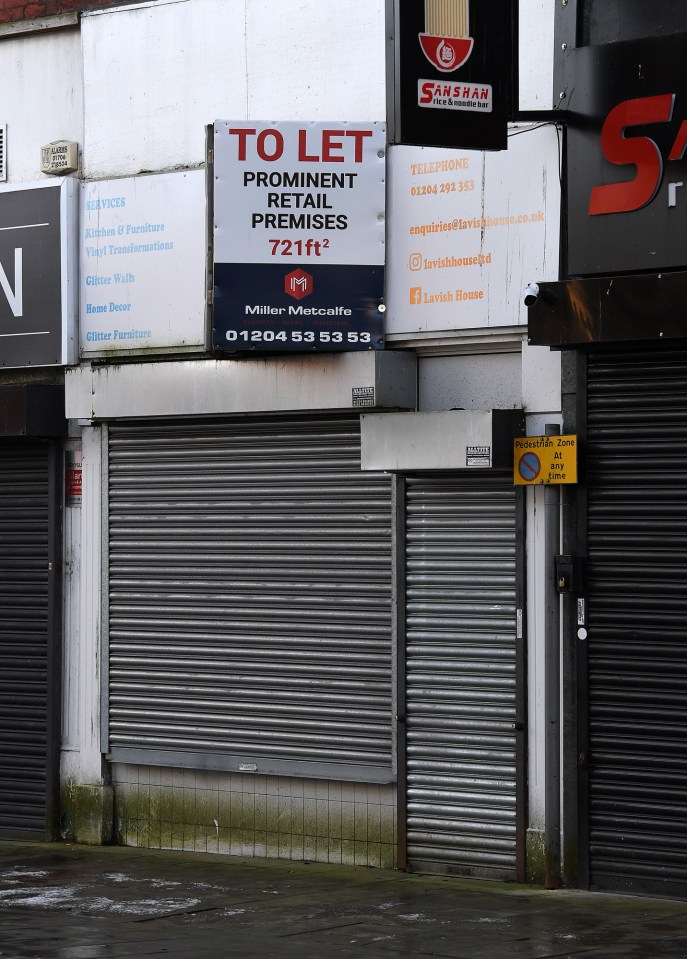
642 152
427 93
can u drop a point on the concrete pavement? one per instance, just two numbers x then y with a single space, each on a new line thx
75 902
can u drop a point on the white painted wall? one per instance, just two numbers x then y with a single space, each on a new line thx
536 25
541 379
156 74
483 381
41 97
317 60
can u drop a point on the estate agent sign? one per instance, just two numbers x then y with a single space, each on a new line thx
298 236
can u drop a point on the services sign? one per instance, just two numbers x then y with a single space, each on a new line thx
298 236
143 266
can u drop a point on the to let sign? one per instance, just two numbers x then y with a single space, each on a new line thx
544 459
298 236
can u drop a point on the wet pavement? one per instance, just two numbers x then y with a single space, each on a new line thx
76 902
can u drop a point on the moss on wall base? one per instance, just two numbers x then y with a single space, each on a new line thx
86 813
536 857
336 823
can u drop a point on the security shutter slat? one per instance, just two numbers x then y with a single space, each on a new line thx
249 591
461 675
24 525
637 645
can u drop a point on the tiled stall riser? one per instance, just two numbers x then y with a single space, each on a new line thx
259 816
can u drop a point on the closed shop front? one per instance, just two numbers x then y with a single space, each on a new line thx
249 597
624 621
461 642
37 317
30 633
637 636
464 681
248 697
618 315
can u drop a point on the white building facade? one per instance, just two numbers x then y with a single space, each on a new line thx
303 603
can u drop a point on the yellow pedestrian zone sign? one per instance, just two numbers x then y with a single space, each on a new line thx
544 459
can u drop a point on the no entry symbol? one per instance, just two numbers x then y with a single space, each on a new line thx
529 466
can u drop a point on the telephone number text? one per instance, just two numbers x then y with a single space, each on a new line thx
296 336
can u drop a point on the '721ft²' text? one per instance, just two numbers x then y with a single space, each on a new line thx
298 248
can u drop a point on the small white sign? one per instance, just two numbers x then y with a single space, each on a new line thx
60 156
581 612
468 231
478 456
143 265
440 95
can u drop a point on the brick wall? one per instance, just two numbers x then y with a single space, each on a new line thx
13 10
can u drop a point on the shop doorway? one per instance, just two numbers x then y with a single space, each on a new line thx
463 699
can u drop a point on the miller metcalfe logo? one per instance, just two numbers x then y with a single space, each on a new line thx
445 42
298 284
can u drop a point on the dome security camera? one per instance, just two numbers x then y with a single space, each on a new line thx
531 294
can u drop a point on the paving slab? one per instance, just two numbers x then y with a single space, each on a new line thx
61 901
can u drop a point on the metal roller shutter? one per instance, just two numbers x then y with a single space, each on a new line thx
24 653
461 669
250 594
637 599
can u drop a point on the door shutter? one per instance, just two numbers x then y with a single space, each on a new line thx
250 596
24 653
462 675
637 614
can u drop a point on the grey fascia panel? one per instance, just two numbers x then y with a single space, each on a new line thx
262 767
338 381
448 440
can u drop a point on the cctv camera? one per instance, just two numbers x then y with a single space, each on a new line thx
531 294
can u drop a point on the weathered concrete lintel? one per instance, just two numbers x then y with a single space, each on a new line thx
63 21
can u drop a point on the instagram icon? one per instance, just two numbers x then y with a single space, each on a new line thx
415 261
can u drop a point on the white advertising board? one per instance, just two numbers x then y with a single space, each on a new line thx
143 264
298 236
468 231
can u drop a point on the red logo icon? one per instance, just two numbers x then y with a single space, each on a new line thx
298 284
446 43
